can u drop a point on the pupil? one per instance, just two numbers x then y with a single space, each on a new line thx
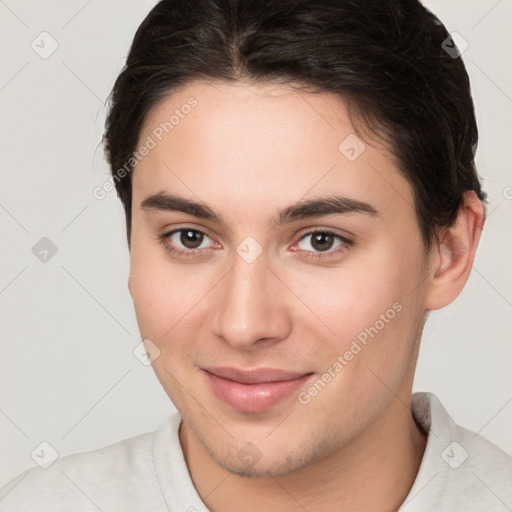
322 241
191 239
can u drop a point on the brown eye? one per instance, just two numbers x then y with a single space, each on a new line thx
191 239
321 241
187 241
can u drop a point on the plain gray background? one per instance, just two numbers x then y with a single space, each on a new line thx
69 376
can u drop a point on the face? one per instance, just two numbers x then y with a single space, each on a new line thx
277 269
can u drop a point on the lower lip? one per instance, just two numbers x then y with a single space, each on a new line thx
253 397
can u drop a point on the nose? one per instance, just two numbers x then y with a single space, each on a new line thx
252 307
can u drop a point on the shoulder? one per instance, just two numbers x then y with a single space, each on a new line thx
460 469
116 477
475 474
489 466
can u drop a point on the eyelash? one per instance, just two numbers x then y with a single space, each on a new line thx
188 253
329 253
191 253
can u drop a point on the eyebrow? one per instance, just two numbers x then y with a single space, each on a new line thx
306 209
312 208
162 201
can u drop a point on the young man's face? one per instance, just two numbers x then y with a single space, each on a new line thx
334 316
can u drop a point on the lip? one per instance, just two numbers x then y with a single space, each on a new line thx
253 390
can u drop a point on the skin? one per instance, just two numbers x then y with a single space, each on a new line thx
248 152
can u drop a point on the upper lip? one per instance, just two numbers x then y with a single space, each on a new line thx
254 376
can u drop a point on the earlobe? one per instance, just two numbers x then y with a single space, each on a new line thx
453 257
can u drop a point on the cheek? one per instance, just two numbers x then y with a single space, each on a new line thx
166 295
368 300
163 299
349 297
153 290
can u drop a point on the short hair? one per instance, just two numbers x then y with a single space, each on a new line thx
386 58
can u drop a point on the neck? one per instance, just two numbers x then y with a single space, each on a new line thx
375 471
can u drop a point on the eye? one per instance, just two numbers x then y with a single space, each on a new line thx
322 241
186 241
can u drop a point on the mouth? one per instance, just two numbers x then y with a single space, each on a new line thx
253 390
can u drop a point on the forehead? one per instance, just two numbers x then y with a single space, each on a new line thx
226 143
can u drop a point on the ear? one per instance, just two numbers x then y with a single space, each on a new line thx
452 258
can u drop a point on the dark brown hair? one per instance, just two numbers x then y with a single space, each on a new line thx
386 58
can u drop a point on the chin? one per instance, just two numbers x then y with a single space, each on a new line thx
273 460
262 469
